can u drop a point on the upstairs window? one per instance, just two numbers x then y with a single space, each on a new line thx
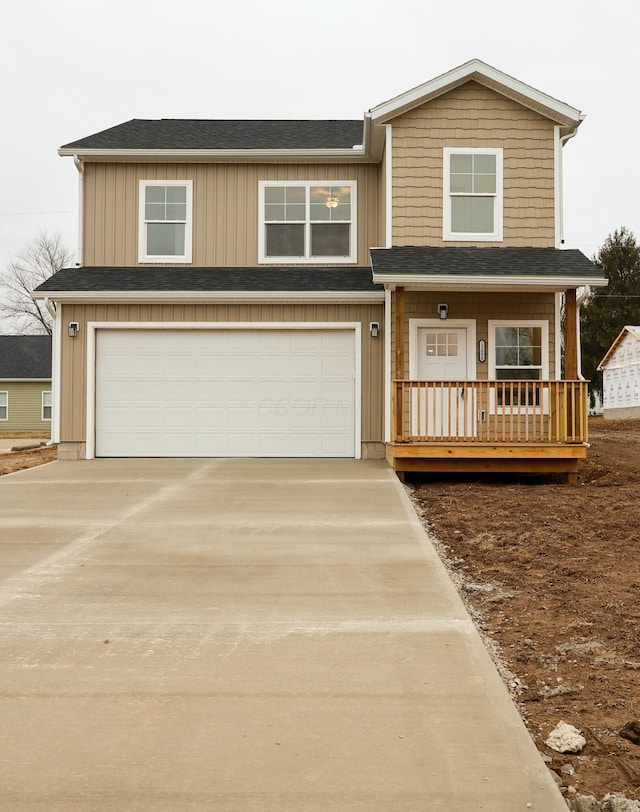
304 222
46 405
4 405
165 221
472 204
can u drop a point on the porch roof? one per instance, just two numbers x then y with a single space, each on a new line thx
450 268
168 282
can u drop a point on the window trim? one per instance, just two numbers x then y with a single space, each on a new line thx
352 258
498 207
46 405
544 367
5 405
143 256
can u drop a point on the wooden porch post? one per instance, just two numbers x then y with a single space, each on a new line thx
399 334
571 336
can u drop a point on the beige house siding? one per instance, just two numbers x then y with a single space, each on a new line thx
74 351
25 406
225 207
473 116
481 307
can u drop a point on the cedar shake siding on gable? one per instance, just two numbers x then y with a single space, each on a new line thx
473 116
225 207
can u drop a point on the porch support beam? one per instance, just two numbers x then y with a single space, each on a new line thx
399 334
571 336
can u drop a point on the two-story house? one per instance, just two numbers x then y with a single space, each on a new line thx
389 286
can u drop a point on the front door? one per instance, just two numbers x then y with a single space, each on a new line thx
447 410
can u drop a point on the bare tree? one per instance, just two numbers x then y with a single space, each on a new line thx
45 255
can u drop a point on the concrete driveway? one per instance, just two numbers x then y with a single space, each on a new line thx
242 635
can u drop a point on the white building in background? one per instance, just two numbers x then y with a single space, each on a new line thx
621 376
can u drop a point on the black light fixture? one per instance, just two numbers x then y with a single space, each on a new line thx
443 311
74 329
374 329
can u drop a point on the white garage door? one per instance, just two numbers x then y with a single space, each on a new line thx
225 393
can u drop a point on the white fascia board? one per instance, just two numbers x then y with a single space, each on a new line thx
458 75
489 283
212 296
355 153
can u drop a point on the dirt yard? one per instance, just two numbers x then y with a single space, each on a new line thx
551 573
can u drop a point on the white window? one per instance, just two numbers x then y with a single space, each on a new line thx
472 202
518 351
302 221
4 405
46 405
165 212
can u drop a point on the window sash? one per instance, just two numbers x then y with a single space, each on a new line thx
472 194
165 213
4 405
296 224
46 405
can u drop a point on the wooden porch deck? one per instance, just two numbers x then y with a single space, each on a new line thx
511 426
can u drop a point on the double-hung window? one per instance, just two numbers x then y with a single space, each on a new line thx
472 200
165 221
46 405
519 351
307 221
4 405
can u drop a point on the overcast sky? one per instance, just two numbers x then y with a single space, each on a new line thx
73 68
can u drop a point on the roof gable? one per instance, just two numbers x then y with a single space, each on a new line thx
25 357
478 71
627 330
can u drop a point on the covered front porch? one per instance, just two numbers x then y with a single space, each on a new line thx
483 350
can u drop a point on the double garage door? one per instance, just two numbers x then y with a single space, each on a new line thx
225 393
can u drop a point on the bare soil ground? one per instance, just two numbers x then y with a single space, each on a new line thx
551 574
28 458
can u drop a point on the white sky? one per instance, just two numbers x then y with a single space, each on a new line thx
73 68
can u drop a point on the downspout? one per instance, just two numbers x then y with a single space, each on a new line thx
80 167
55 371
561 141
586 291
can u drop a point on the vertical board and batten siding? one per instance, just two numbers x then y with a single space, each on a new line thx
73 385
481 307
225 207
473 116
25 406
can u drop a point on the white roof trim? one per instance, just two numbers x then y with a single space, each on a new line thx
355 153
210 296
475 68
490 283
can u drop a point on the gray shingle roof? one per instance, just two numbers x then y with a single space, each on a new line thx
261 279
25 356
522 262
172 134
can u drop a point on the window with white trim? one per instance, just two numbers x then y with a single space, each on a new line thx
519 351
166 222
4 405
307 221
46 405
473 200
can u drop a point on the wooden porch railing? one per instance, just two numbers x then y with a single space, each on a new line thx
489 411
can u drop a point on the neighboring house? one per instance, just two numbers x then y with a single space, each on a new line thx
390 286
621 376
25 383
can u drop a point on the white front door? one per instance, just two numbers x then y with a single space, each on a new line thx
448 409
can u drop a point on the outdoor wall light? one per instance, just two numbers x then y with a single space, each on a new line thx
74 329
443 311
374 329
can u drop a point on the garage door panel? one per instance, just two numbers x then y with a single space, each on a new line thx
225 392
